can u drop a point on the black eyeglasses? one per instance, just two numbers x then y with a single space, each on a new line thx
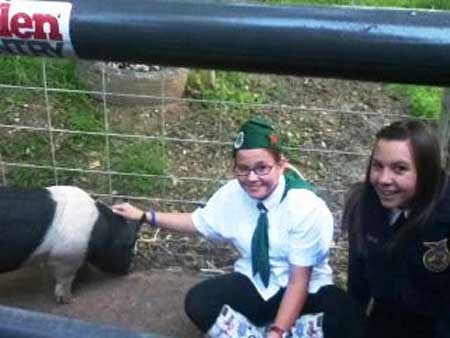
260 170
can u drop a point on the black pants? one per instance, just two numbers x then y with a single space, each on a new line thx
342 316
388 321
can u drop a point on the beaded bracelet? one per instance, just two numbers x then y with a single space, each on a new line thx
153 223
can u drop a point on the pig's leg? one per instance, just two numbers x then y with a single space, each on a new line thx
64 272
68 239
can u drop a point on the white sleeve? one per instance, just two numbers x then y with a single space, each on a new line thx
209 219
310 237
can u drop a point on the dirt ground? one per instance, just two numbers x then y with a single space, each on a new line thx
147 301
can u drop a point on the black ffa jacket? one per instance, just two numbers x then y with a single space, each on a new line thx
415 280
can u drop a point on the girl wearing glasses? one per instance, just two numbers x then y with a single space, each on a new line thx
399 223
283 233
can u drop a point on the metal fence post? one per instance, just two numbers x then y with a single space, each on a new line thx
444 128
2 171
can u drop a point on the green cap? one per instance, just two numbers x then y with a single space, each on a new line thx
257 133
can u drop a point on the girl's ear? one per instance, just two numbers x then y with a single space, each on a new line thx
283 163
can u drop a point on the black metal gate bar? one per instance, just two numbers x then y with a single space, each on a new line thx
343 42
352 43
18 323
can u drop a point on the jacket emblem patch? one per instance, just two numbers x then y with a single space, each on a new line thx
372 239
437 257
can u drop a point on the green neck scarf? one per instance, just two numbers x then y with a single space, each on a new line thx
260 239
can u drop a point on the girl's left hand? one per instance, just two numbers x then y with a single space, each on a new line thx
273 334
128 211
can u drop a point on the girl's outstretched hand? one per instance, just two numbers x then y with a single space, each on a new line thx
128 211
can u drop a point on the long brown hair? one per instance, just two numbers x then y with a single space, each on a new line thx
430 182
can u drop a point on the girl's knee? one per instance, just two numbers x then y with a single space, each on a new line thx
199 309
191 302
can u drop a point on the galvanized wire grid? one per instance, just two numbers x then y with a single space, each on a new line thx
107 134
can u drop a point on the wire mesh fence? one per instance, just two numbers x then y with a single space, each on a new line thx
315 131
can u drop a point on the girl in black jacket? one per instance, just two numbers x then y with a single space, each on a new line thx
399 228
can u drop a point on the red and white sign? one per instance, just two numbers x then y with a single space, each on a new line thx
36 28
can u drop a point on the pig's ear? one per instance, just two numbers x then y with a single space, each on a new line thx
108 213
103 204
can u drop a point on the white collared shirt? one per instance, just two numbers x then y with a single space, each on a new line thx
300 232
395 214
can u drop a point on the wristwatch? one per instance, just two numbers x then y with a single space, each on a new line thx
281 332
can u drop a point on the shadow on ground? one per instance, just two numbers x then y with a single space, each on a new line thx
150 301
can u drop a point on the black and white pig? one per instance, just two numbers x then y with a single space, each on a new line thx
62 226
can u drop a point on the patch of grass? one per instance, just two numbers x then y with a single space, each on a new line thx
61 73
28 71
84 120
423 101
26 147
139 157
229 86
15 105
76 112
29 177
21 71
81 151
90 182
